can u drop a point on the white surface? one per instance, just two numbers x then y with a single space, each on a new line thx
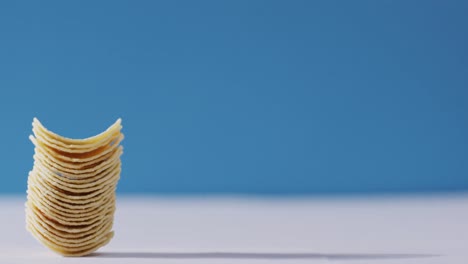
252 230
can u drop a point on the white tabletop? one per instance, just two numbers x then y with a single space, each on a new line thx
259 230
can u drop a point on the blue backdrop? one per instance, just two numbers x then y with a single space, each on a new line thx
262 97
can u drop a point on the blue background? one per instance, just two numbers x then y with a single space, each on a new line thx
257 97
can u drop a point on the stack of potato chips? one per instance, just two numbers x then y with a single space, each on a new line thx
71 189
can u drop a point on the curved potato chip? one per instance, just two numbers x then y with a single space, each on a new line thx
71 143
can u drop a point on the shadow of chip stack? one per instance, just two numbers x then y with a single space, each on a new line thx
71 189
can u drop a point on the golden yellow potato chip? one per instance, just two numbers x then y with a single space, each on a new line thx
77 157
74 241
74 173
111 177
70 215
77 143
66 251
69 179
